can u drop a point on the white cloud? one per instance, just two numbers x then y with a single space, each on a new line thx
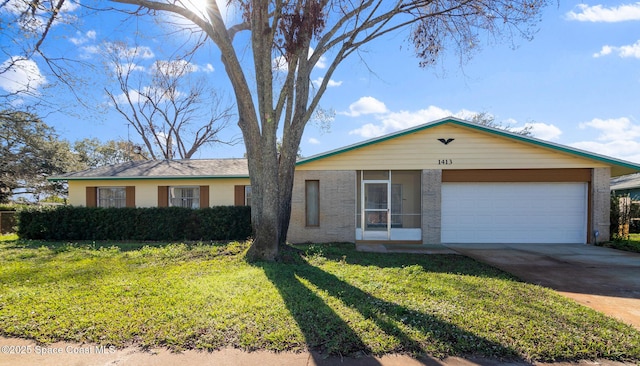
88 51
134 95
35 19
228 12
369 130
598 13
331 84
83 38
123 53
623 149
395 121
322 61
21 75
18 7
279 64
632 50
156 94
133 67
617 138
606 50
174 67
613 129
314 141
180 67
543 131
365 105
143 52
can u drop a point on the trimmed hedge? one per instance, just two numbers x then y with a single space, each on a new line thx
157 224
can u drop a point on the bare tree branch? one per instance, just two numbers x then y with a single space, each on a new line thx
174 114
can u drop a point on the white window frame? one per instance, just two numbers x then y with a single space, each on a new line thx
108 197
184 201
247 195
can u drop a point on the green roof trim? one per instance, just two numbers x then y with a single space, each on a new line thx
162 169
491 130
56 179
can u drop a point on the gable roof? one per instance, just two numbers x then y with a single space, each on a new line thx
164 169
619 167
631 181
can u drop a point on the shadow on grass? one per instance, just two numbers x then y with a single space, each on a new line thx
326 331
437 263
123 245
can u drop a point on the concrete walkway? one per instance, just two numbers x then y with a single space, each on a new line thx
89 355
604 279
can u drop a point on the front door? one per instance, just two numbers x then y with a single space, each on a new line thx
376 223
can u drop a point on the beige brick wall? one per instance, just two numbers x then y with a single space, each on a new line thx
600 204
431 206
337 208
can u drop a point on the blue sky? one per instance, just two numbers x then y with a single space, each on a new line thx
577 83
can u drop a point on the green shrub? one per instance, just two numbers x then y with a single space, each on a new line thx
166 223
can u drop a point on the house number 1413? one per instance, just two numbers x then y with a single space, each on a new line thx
445 162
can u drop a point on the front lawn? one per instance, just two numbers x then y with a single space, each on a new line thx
632 244
328 298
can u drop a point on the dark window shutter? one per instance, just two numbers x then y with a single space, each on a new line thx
92 197
130 196
239 195
204 196
163 196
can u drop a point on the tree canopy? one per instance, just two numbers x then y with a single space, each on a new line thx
31 152
275 98
94 153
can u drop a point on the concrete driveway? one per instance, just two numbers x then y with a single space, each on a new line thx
604 279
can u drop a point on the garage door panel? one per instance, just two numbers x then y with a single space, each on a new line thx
514 212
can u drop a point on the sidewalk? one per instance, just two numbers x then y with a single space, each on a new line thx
92 355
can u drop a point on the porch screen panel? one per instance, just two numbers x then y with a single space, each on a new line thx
406 198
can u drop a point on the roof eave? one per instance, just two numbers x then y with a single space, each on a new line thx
624 167
63 178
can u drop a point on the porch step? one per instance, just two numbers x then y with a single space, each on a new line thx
404 248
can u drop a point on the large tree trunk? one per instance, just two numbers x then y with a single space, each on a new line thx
285 179
263 172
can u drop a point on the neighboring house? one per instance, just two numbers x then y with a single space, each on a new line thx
627 184
162 183
448 181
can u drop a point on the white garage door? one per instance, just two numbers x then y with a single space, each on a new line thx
514 212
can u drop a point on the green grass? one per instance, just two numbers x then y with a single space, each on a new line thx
328 298
632 244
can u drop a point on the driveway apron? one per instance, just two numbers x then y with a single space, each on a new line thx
604 279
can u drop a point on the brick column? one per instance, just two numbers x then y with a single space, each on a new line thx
600 204
431 206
